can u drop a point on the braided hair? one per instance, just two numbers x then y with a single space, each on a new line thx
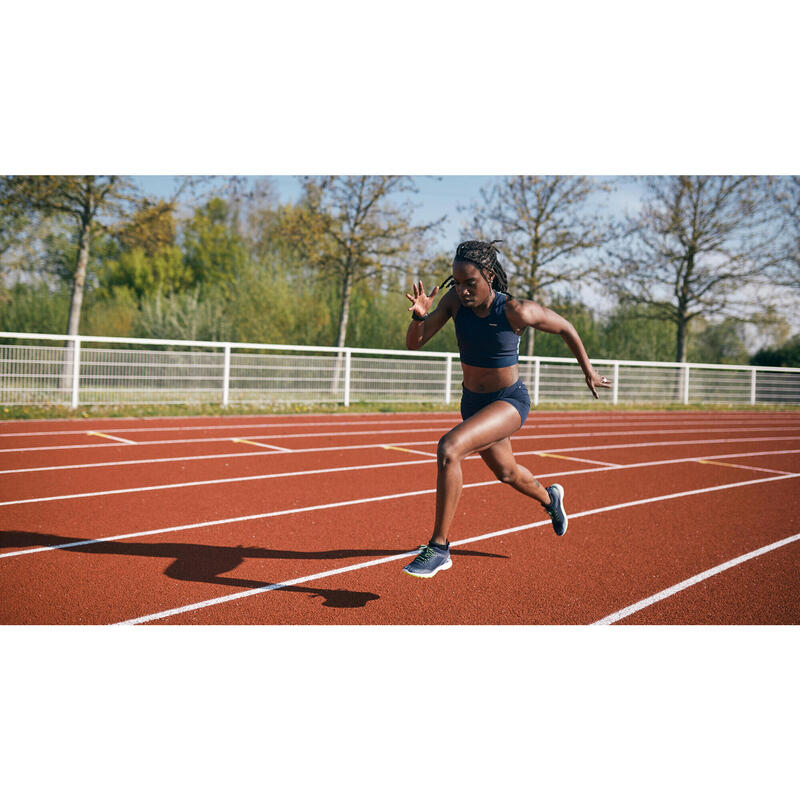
484 256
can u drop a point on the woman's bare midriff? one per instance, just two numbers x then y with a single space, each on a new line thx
489 379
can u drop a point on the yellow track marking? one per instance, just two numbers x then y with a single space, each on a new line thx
741 466
403 450
107 436
573 458
722 463
553 455
261 444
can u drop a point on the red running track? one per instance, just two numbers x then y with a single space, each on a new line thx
309 520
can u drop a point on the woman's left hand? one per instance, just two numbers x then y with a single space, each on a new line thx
595 379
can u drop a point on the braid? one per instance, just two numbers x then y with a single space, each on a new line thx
484 256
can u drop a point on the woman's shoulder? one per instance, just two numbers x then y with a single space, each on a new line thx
522 313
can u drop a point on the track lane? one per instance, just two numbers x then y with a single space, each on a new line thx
762 591
389 525
532 577
43 487
196 566
572 442
90 517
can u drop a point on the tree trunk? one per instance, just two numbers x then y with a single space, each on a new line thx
73 324
344 313
529 351
680 356
80 279
680 341
347 290
533 290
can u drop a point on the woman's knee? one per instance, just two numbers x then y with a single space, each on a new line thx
448 451
506 474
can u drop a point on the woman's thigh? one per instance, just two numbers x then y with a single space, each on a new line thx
491 425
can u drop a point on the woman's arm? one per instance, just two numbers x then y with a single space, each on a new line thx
526 313
420 331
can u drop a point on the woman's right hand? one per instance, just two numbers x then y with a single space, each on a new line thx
420 302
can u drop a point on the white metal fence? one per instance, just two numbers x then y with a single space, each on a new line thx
40 369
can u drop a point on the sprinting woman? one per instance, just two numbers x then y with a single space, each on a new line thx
495 402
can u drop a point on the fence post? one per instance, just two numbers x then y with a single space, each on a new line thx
448 378
346 378
615 384
226 377
753 386
536 371
76 371
686 384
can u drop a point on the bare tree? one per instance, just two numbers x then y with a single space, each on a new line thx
352 231
697 242
787 197
549 230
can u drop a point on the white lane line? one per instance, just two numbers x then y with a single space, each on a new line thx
574 458
108 436
364 564
702 576
211 439
227 521
364 500
263 444
541 422
717 463
211 482
430 442
605 467
271 425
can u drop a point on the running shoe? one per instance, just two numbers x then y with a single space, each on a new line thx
430 559
556 509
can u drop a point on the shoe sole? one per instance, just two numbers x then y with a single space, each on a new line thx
566 518
446 565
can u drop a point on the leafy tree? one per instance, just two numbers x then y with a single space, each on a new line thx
548 228
697 242
151 228
184 316
720 343
787 355
630 335
94 204
214 252
163 271
111 314
34 308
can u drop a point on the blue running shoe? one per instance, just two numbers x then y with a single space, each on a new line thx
429 560
556 509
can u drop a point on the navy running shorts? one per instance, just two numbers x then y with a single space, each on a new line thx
517 395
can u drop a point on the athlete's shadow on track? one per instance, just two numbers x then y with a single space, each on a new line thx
207 563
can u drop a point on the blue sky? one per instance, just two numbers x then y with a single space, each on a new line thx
437 196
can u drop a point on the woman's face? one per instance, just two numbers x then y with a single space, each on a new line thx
472 288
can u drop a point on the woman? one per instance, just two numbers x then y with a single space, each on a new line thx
495 402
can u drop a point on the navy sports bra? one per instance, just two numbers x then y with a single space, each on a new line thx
487 341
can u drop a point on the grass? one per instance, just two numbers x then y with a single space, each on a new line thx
215 410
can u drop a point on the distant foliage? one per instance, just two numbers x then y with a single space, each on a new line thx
235 265
34 308
162 272
183 316
214 252
787 355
